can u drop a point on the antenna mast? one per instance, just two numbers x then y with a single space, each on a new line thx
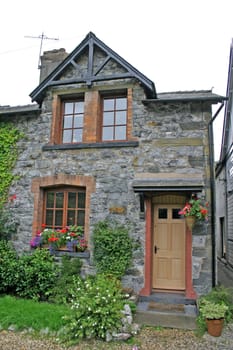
42 37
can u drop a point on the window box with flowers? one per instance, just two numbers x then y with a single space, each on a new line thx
194 211
70 239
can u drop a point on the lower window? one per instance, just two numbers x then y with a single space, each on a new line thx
64 207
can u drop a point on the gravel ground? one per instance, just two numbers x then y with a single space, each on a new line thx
148 339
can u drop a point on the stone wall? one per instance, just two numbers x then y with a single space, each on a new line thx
170 141
172 138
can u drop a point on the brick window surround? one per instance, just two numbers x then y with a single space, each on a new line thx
92 122
42 183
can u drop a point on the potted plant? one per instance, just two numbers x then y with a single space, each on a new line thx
69 238
73 235
194 210
214 314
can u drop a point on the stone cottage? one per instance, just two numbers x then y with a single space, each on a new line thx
98 134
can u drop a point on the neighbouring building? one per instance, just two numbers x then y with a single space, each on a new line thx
98 134
224 190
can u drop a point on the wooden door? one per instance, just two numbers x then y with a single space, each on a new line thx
168 248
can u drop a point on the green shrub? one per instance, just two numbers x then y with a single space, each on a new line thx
218 295
97 304
70 267
8 267
36 275
112 248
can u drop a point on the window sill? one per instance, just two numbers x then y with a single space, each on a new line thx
91 145
84 255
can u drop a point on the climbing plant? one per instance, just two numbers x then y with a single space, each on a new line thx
9 135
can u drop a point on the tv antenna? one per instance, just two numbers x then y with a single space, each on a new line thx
42 37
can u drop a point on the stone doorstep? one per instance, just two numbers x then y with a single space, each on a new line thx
166 310
165 319
168 298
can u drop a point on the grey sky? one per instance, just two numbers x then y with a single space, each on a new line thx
179 44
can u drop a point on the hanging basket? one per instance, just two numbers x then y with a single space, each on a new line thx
215 327
190 221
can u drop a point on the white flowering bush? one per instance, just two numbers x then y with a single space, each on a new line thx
97 304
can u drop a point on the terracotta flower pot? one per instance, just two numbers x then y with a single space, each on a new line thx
190 221
215 327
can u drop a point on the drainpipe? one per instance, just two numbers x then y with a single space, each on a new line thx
212 192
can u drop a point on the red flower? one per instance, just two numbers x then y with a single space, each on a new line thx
73 234
53 239
204 211
63 230
12 198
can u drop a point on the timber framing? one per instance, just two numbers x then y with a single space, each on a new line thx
93 74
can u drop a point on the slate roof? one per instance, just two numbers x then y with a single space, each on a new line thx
26 109
196 95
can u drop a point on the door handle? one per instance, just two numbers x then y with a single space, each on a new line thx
156 249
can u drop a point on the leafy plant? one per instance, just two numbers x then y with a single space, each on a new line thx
211 310
97 304
36 275
112 248
70 236
195 208
217 296
69 268
8 267
9 136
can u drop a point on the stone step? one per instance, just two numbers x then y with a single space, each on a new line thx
171 315
168 298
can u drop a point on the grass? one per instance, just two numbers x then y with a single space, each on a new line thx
25 314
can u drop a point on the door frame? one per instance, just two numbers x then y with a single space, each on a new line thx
147 289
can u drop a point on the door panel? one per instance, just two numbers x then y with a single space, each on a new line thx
168 248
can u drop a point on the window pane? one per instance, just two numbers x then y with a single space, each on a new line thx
72 199
121 103
120 133
81 199
67 207
78 121
67 122
71 217
49 218
81 218
67 134
79 107
108 118
78 135
68 108
121 117
58 218
59 199
107 133
175 213
108 104
162 213
50 200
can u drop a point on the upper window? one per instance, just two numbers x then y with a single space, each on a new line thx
64 207
100 117
114 126
73 114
